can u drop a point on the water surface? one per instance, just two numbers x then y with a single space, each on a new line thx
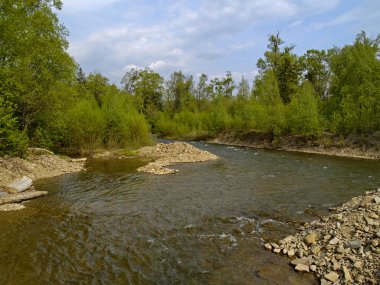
204 225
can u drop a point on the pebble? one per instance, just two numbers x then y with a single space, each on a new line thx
375 243
334 241
359 278
313 267
310 239
347 275
268 246
355 244
291 253
302 268
366 200
332 276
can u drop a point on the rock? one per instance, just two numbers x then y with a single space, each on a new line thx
334 241
275 245
347 275
366 200
291 253
373 215
277 250
378 234
304 260
268 246
354 244
289 239
359 278
310 238
302 268
325 282
376 200
336 265
375 243
358 264
332 276
300 253
313 267
316 250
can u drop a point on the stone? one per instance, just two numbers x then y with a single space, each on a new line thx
378 234
373 216
313 267
326 237
376 200
302 268
277 250
334 241
288 239
300 253
275 245
375 243
347 275
303 260
316 250
359 278
358 264
291 253
354 244
268 246
366 200
310 238
332 276
336 265
325 282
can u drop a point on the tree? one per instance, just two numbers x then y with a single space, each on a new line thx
33 60
243 89
316 70
224 86
180 91
284 65
202 90
355 87
97 85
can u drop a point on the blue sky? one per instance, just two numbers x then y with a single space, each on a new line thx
205 36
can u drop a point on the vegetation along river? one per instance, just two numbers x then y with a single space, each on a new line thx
203 225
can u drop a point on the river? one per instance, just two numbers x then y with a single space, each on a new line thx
203 225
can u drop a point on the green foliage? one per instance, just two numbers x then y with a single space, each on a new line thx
12 141
302 113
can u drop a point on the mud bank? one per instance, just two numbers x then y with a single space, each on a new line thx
343 248
168 154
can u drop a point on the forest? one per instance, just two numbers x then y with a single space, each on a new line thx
46 100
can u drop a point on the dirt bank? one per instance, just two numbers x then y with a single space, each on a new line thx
367 147
172 153
39 163
343 248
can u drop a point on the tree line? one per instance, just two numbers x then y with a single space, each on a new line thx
46 99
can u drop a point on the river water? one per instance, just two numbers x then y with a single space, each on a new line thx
204 225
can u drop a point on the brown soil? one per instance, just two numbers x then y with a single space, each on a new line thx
172 153
39 163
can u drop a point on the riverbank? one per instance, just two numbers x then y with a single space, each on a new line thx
39 163
352 146
343 248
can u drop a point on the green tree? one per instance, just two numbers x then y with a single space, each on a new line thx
243 89
355 88
179 89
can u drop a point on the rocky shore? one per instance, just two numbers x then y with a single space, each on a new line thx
39 163
168 154
343 248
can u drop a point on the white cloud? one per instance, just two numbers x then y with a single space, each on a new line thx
187 35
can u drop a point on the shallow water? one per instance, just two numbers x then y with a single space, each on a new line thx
204 225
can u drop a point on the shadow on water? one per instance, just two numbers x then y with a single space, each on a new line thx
204 225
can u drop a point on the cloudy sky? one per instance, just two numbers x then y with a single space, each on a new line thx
205 36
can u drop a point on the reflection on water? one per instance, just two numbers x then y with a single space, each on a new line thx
204 225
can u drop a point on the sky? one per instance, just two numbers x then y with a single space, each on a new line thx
205 36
